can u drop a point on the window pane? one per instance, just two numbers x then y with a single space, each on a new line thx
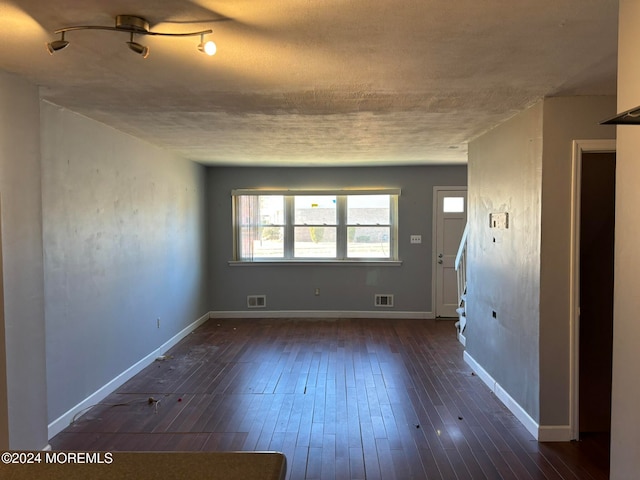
368 210
368 242
269 242
453 205
315 242
271 210
261 231
315 210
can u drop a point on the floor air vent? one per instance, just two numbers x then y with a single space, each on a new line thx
256 301
383 300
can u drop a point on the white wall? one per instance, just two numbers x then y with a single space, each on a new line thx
22 266
625 422
124 229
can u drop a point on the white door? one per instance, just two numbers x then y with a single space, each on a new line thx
450 219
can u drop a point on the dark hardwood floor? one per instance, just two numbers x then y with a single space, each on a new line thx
341 398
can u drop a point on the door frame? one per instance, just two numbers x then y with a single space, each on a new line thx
579 147
434 237
4 391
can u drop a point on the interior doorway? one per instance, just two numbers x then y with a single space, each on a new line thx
597 224
594 233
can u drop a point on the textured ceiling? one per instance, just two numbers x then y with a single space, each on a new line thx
315 82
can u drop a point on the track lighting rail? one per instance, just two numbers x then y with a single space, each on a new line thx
134 26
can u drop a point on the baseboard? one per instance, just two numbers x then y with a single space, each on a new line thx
554 433
529 423
65 419
258 313
542 433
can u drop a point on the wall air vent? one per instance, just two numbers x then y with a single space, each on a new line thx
256 301
383 300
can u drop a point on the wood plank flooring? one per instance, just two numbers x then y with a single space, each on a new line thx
341 398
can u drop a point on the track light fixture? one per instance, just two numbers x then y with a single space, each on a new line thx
57 45
207 47
137 48
132 25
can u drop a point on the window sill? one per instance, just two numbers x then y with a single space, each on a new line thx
315 263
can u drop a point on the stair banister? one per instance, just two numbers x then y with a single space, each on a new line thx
461 274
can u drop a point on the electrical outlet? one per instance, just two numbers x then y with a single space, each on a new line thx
317 292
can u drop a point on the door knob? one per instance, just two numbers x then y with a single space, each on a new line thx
440 261
439 255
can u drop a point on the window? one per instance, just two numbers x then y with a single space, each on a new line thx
453 205
315 225
261 224
368 226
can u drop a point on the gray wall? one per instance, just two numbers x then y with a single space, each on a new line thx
124 243
25 392
524 167
504 276
342 287
625 421
565 119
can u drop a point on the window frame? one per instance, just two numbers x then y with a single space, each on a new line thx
341 227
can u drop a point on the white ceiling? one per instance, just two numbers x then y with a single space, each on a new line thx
315 82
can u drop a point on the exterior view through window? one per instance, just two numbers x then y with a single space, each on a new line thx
319 226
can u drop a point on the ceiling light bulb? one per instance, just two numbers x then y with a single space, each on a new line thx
207 47
210 48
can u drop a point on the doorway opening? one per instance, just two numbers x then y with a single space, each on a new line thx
592 286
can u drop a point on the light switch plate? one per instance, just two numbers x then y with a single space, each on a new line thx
416 238
499 220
